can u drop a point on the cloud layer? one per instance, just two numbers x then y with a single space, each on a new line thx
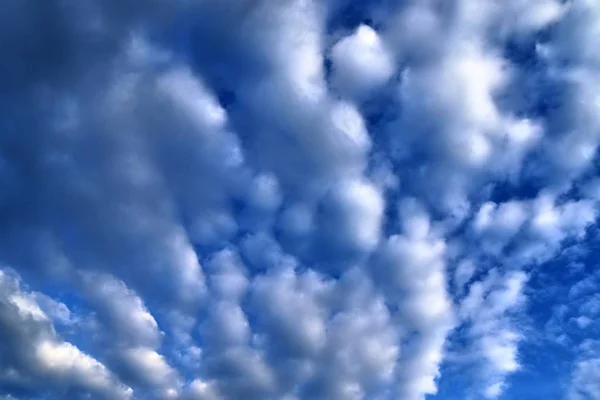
295 199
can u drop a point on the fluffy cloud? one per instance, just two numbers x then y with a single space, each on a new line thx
361 63
219 199
134 335
36 360
585 374
487 310
411 273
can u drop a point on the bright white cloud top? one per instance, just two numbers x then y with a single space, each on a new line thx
299 199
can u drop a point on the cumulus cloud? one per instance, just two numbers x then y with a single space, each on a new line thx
296 199
585 374
487 309
134 335
36 360
412 274
361 63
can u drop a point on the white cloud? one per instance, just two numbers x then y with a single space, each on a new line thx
150 367
463 273
353 214
121 310
412 274
360 350
487 308
361 63
201 390
31 349
585 383
133 335
213 214
63 359
291 307
557 221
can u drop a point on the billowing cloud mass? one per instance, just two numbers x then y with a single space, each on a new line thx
299 199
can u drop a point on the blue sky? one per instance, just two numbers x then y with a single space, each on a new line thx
298 199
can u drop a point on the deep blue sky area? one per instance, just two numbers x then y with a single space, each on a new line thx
299 200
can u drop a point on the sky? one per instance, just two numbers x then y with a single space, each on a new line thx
299 199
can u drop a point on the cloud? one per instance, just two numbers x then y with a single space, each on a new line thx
584 377
360 349
121 310
411 271
297 199
361 63
36 359
351 217
487 308
134 335
585 380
